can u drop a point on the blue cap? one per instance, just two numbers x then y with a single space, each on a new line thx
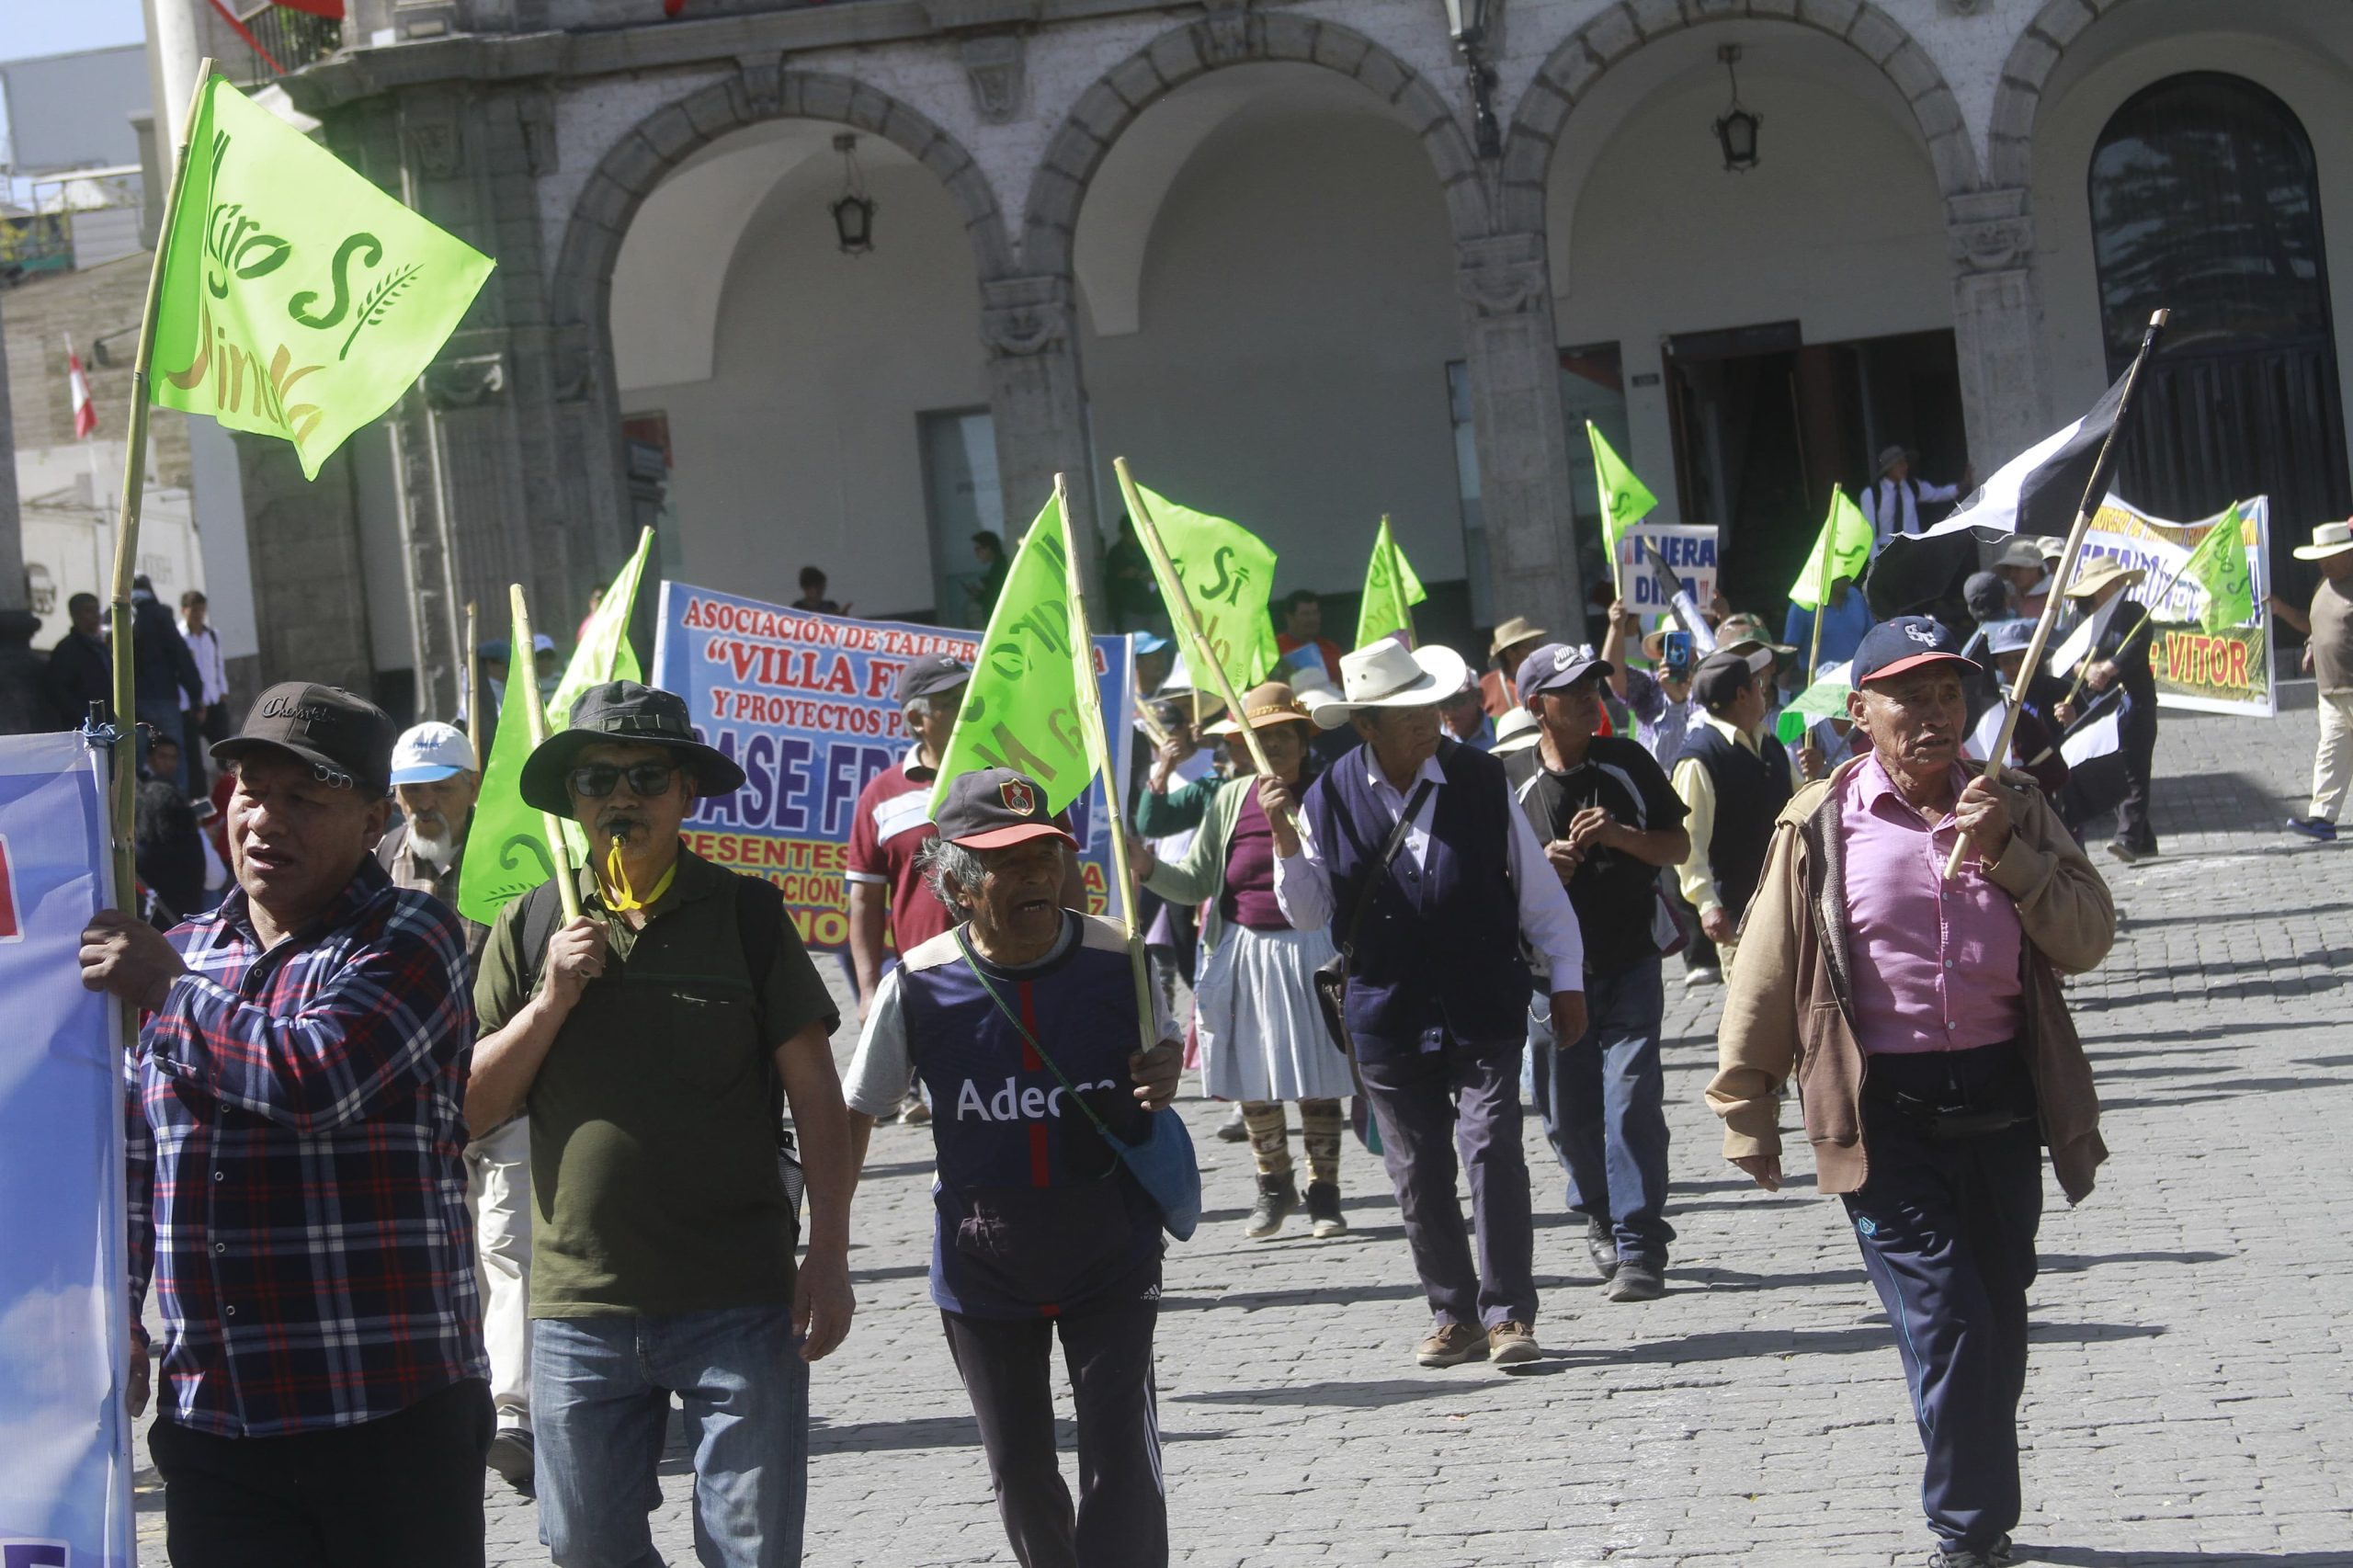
1149 641
1556 665
1906 642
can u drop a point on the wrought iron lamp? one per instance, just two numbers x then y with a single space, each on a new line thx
854 212
1470 21
1737 130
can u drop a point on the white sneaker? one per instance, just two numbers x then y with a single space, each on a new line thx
1695 978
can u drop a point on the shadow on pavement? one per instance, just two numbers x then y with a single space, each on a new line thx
2088 1557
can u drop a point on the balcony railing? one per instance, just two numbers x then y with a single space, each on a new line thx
277 39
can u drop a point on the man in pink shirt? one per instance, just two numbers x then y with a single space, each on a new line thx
1922 1017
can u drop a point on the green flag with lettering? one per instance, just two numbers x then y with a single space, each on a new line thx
1391 589
1625 500
1842 549
2219 566
1226 572
1021 707
299 301
507 847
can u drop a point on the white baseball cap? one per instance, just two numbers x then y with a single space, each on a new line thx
430 753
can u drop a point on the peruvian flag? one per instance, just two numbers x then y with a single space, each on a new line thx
78 389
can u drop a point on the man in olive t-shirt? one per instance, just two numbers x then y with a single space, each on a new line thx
649 1057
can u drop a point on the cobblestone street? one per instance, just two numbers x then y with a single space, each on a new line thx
2190 1367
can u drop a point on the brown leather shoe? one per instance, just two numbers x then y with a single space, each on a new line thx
1450 1345
1508 1344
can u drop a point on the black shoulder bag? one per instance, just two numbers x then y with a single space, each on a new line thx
1332 975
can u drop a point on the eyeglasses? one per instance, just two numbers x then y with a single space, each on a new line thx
596 780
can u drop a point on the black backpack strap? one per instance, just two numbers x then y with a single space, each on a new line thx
542 913
759 924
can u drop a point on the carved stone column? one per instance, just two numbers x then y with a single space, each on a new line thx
1037 401
1997 325
1514 369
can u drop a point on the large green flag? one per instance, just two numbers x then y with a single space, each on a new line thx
507 847
299 301
1842 549
1625 500
1225 572
1021 709
1391 588
2219 566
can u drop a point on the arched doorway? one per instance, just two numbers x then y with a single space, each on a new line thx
2204 199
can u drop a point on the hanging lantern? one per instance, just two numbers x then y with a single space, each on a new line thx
854 210
1737 130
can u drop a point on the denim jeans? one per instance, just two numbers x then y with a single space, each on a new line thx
600 1407
1603 1103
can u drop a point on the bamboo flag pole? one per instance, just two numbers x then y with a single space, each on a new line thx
1098 746
2093 493
471 697
125 799
535 719
1397 583
1821 599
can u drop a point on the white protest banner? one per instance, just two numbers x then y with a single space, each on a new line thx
1688 551
2222 672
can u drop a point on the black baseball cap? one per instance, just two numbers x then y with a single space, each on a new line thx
345 737
631 714
1906 642
1554 665
996 807
931 674
1723 672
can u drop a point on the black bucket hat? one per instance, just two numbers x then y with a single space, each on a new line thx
624 712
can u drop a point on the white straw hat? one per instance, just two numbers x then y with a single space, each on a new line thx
1387 675
2329 539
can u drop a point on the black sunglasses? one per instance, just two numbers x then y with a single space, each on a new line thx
594 780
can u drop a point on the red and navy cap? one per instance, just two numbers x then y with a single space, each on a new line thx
994 808
1906 642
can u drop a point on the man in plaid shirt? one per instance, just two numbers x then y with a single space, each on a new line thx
297 1181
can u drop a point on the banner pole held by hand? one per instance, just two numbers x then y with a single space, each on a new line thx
535 715
2095 492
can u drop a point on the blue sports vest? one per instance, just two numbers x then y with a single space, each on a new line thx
1439 953
1034 1214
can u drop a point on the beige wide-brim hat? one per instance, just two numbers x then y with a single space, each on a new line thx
1272 703
1388 674
2329 539
1516 731
2098 573
2022 551
1512 632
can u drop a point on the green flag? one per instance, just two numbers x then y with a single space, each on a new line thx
1625 500
1390 588
2219 566
1826 697
1021 709
1842 549
299 301
1226 572
506 849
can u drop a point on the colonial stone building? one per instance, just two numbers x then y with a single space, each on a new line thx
1304 264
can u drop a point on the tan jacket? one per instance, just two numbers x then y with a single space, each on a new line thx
1789 1008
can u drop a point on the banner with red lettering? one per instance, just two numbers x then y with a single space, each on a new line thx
2228 671
804 702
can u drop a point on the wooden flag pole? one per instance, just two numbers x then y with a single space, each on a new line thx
2095 492
1188 617
125 781
1397 583
1091 724
471 696
1821 599
535 719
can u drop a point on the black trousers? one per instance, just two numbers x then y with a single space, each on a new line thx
1947 1229
402 1492
1122 1516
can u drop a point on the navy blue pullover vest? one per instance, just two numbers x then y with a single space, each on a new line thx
1034 1214
1750 789
1439 953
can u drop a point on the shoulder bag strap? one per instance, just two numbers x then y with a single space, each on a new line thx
1380 866
1023 1030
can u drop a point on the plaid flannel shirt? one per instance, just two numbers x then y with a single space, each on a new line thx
297 1183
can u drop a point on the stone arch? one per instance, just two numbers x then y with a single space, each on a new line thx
647 152
2009 136
1234 36
1570 71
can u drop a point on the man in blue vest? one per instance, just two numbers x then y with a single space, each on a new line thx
1734 778
1434 885
1021 1011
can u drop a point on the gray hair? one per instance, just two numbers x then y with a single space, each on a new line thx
915 708
946 866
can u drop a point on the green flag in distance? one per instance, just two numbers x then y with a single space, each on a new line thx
299 301
2219 566
1842 549
1391 588
1227 573
604 654
1021 709
1625 500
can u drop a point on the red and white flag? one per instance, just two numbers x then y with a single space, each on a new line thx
78 389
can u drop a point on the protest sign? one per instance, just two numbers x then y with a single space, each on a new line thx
1688 551
803 703
2227 670
64 1317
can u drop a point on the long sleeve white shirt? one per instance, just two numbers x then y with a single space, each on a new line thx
1304 881
1894 509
